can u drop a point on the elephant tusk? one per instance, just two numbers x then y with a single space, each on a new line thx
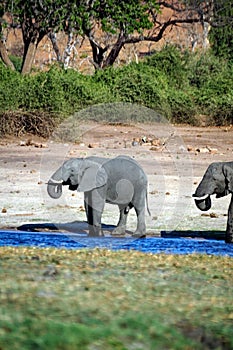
201 198
53 183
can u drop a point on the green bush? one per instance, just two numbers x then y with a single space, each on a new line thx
183 109
137 83
171 62
178 85
17 62
81 91
212 78
10 89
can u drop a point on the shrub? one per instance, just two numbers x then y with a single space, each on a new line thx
183 108
17 62
171 62
178 85
10 89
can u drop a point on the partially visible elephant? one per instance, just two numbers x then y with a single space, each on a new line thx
218 179
120 181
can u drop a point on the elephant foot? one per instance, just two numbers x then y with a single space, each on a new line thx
118 231
95 231
138 234
229 237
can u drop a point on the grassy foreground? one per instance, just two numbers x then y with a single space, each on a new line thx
99 299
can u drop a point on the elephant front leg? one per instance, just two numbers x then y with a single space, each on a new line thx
94 211
141 225
121 226
229 231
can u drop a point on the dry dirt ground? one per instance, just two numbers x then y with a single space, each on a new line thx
173 157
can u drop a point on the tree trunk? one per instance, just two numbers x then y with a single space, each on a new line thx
97 53
114 53
29 55
53 38
4 56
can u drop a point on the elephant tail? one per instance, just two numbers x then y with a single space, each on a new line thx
147 205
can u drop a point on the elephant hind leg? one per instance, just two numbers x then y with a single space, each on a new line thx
141 225
121 226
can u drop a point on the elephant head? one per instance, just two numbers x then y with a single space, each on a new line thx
81 174
218 179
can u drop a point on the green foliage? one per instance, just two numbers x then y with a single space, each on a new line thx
177 85
137 83
17 62
221 33
11 84
172 62
129 16
212 79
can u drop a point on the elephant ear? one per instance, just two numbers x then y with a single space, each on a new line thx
228 172
92 176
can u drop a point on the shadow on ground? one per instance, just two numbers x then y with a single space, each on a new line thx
81 227
217 235
77 227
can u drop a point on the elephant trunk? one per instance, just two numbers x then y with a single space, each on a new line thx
202 195
203 203
54 187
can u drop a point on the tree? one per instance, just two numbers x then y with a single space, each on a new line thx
137 21
3 52
119 22
221 34
40 18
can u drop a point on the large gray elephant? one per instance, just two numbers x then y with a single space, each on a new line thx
218 179
120 181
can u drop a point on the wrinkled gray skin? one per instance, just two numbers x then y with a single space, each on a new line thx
218 179
119 181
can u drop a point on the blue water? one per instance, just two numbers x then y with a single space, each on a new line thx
147 245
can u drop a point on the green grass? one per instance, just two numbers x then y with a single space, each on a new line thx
99 299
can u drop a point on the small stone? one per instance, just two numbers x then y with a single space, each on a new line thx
154 192
29 142
144 139
4 210
212 150
92 145
146 144
135 143
154 148
155 142
81 208
202 150
213 215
